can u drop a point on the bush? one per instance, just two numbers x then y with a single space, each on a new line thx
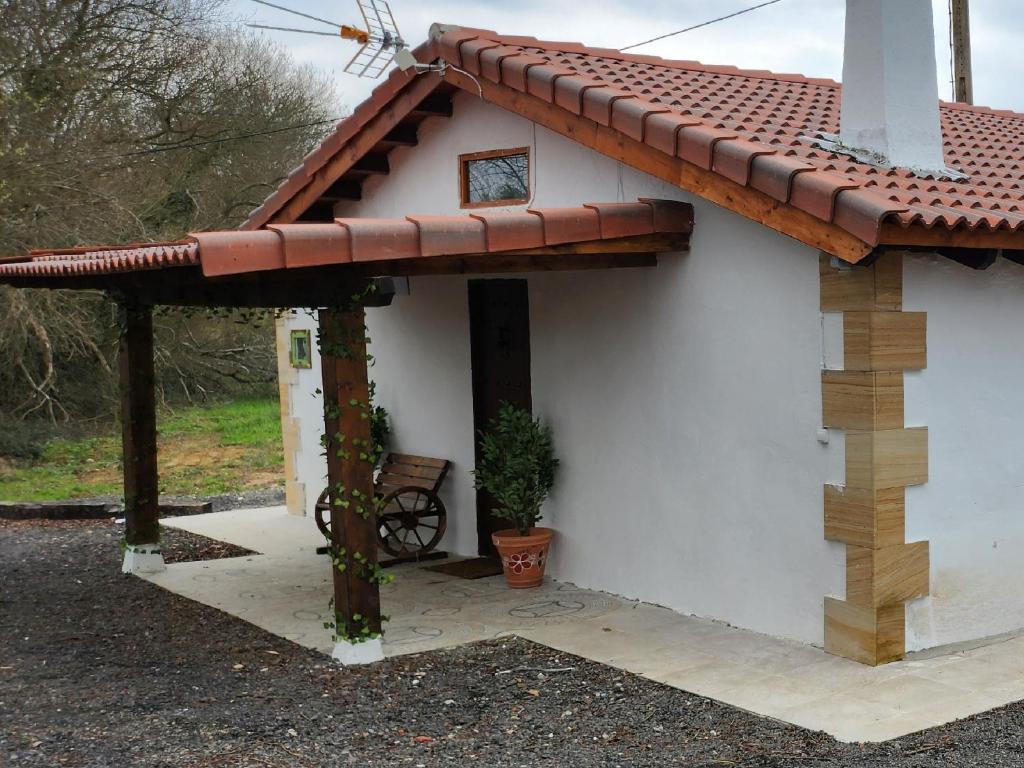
517 465
27 440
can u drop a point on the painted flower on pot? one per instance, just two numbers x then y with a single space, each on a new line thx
521 561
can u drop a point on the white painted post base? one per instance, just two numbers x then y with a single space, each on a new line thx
350 654
143 558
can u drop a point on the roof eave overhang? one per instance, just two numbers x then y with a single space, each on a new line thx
319 264
977 248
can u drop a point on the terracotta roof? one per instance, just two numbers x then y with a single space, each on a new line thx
102 260
755 128
355 240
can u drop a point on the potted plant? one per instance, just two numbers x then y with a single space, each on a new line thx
517 467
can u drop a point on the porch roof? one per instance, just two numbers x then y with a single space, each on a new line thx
592 235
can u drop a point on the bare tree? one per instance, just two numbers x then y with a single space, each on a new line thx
120 122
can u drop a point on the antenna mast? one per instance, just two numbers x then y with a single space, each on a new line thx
381 39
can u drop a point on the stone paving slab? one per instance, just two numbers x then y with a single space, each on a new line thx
286 590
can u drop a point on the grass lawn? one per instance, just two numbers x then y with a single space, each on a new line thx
204 451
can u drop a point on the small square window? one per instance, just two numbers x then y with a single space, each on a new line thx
497 177
301 354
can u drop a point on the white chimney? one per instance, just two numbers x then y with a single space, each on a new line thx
890 94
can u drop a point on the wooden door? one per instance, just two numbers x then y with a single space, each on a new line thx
499 320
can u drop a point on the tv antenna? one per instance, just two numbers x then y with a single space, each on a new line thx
379 38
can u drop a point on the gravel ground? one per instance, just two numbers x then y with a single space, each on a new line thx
97 669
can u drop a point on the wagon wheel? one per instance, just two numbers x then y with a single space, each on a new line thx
323 505
411 521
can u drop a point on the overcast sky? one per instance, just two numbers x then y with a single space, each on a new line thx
804 36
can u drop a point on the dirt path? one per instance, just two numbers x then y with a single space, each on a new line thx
97 669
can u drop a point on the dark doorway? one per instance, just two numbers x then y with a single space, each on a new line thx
499 331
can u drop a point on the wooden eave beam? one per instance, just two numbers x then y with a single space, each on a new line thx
186 287
746 201
494 263
656 243
940 237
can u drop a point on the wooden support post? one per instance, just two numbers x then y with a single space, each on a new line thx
138 430
350 481
868 513
960 35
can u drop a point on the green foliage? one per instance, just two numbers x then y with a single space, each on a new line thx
204 451
127 121
380 424
517 465
27 440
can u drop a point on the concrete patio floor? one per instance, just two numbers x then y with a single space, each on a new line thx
286 590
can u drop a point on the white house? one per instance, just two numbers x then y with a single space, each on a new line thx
753 426
772 321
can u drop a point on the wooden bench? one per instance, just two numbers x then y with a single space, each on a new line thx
411 518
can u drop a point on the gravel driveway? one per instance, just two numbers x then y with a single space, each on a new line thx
97 669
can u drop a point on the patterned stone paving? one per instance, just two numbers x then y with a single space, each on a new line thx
286 590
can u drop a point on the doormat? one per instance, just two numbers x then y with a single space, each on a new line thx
474 568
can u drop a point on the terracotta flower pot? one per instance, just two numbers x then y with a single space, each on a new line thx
523 557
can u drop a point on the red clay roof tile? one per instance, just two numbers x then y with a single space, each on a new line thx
622 219
511 231
450 235
382 239
229 253
310 245
82 261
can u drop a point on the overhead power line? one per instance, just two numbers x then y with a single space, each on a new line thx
293 29
297 13
695 26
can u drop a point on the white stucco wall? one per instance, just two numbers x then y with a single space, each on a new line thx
685 398
972 508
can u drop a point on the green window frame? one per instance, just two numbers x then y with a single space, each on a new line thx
301 351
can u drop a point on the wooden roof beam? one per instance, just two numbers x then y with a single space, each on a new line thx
402 135
435 105
343 189
373 164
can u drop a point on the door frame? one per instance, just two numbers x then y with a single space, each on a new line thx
486 299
